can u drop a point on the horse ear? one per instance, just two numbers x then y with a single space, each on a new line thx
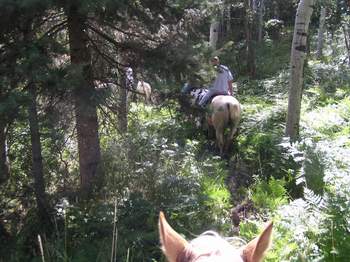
172 243
255 249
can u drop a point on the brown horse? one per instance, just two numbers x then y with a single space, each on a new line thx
210 247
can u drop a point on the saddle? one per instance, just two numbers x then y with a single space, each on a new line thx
210 100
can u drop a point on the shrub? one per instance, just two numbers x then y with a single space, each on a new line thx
274 28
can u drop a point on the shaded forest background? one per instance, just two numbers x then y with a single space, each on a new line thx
85 168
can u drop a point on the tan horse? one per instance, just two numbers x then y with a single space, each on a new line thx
225 112
210 247
144 89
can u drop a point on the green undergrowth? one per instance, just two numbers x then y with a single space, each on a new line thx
165 163
313 227
273 56
303 187
154 167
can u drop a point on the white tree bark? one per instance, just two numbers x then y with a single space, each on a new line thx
214 34
320 37
298 54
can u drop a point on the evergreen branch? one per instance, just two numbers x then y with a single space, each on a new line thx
118 45
107 58
51 17
112 62
109 118
104 36
54 30
112 26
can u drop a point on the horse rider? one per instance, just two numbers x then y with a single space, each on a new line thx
222 84
129 79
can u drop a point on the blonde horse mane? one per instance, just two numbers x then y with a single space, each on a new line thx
210 247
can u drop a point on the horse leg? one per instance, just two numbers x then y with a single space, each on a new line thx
210 132
148 98
233 131
220 140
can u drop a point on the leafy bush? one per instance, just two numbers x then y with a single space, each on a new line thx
273 28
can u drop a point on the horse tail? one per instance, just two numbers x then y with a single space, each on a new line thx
234 111
229 120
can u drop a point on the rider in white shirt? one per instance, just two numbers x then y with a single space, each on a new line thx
129 78
222 84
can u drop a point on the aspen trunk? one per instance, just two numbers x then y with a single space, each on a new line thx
251 64
228 20
276 14
346 31
298 54
85 104
261 20
214 34
320 36
4 163
254 4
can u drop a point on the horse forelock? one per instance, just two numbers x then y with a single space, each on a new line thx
209 247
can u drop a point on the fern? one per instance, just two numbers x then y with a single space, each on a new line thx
269 195
314 202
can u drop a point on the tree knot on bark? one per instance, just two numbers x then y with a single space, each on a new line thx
302 34
301 48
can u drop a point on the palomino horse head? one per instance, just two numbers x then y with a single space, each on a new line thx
210 247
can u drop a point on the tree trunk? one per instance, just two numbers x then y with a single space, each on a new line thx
251 65
37 169
261 20
37 161
320 36
228 19
346 31
4 163
214 34
254 5
85 104
298 54
275 12
123 103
